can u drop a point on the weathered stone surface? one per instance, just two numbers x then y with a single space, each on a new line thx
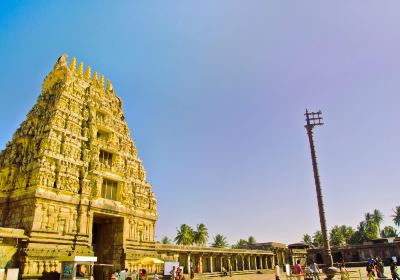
71 177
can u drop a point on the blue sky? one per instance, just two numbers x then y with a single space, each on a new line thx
214 94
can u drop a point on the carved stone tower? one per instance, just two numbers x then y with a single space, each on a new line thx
72 179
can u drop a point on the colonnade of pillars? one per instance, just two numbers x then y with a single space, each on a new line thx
209 263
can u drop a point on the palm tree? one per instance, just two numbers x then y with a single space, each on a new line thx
396 216
165 240
219 241
184 236
251 240
307 239
201 235
377 217
389 231
241 244
317 239
369 227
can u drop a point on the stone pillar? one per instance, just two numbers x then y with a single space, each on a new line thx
272 262
242 258
255 263
261 261
249 262
201 263
236 263
211 264
220 263
188 262
229 264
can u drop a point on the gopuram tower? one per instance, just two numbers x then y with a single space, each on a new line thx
72 180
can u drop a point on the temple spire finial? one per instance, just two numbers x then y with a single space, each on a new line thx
95 78
80 68
72 65
102 81
88 73
109 86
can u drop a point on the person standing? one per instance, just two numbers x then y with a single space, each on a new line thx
180 275
173 273
315 270
277 272
380 268
122 274
370 270
156 275
191 272
134 275
297 268
393 270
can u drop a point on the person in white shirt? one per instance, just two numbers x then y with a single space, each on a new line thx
315 270
277 272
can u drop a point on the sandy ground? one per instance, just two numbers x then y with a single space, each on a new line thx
354 274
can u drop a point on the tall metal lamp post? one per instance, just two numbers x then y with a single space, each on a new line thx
314 119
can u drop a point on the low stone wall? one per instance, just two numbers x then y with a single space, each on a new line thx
359 253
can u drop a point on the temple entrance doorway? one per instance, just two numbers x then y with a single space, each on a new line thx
107 242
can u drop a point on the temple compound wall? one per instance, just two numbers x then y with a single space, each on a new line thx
71 178
357 253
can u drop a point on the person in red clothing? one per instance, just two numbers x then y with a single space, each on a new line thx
297 268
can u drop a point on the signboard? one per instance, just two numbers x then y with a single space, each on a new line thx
12 273
67 270
2 274
168 267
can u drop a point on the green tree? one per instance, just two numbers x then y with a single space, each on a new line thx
317 239
336 237
307 239
377 217
369 228
389 231
340 235
184 236
251 240
396 216
241 244
200 235
220 241
165 240
347 232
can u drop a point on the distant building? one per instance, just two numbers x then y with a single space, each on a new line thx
284 254
385 248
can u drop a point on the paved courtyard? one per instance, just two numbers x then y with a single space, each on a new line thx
354 274
245 277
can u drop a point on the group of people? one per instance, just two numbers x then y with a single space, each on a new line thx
310 271
375 268
126 275
177 273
